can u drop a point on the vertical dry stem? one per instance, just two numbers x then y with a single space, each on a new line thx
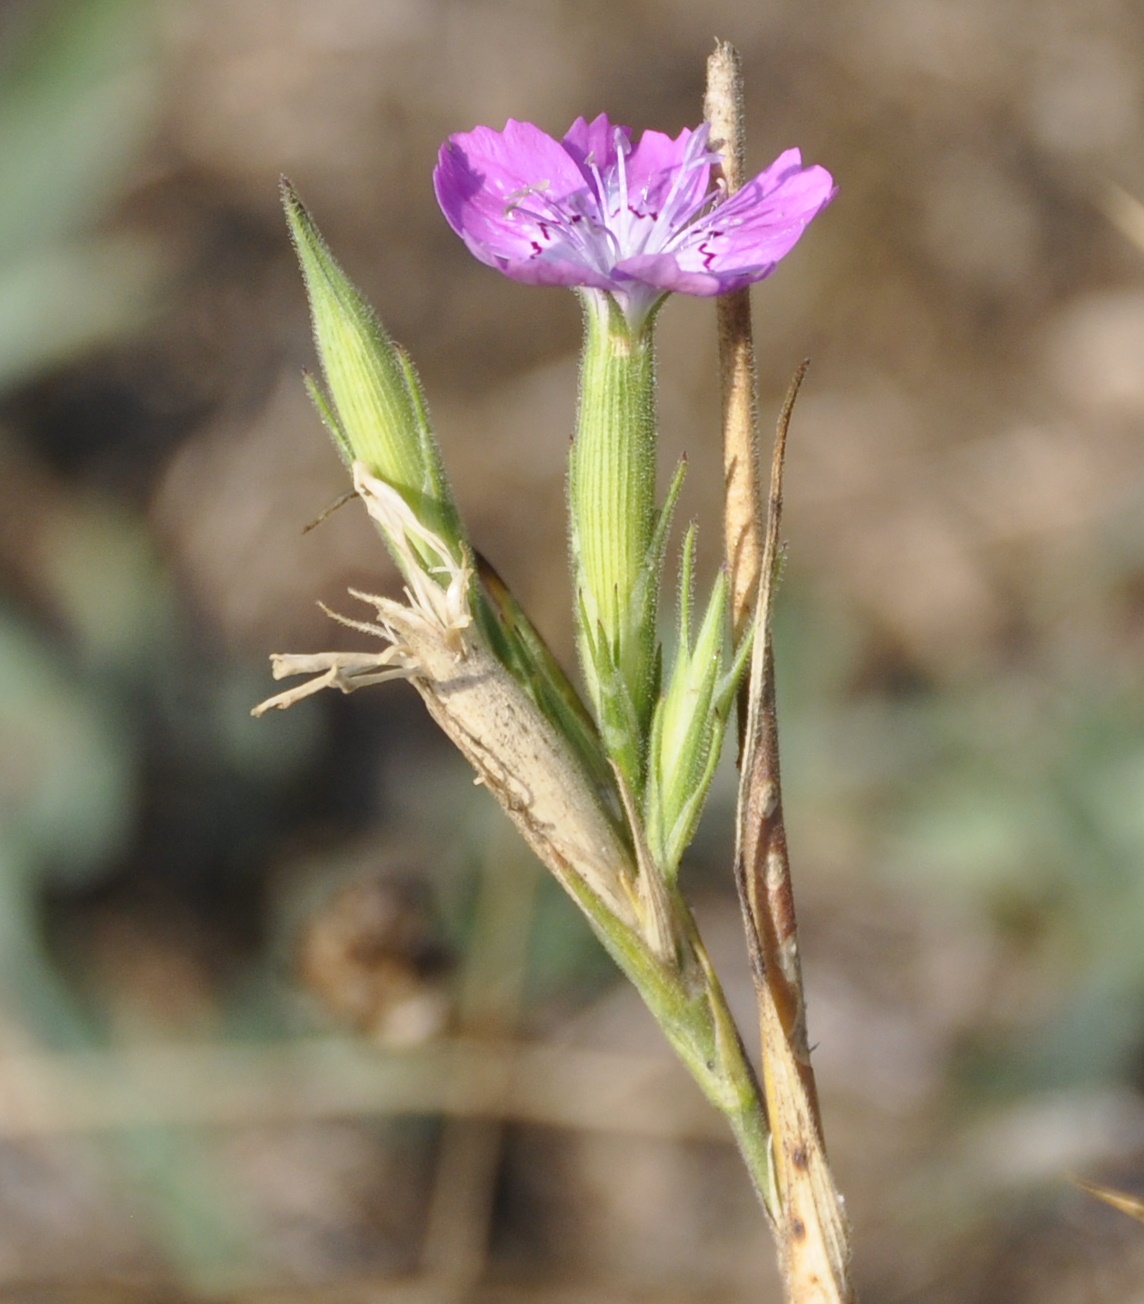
742 532
812 1232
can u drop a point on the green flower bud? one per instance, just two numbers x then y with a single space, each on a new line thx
611 488
690 718
373 406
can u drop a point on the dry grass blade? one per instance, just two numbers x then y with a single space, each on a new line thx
814 1240
1132 1205
1125 212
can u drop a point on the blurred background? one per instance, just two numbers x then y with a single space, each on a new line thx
285 1013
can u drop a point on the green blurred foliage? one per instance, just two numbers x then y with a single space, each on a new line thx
76 96
82 696
1015 796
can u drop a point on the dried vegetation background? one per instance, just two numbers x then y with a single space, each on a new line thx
285 1015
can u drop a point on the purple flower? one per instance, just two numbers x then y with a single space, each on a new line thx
637 221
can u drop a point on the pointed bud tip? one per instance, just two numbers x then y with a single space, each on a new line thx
302 226
287 194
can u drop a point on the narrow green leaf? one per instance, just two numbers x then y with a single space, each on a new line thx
329 417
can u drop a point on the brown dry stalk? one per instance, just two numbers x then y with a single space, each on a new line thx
742 533
812 1232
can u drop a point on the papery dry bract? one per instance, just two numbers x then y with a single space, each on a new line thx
434 642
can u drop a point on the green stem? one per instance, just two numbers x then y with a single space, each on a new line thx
686 999
611 489
729 1080
751 1128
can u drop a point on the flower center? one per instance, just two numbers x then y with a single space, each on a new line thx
605 223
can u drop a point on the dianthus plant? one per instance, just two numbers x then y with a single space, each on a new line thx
607 789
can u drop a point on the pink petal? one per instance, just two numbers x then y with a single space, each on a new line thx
482 176
593 144
742 240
